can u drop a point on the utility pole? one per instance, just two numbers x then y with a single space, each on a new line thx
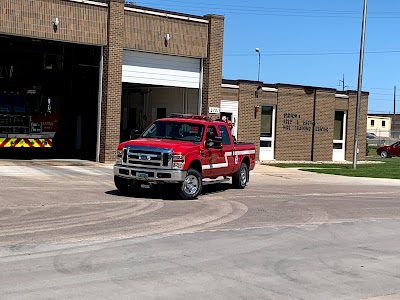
359 87
394 101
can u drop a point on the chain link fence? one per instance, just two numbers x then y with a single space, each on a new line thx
382 137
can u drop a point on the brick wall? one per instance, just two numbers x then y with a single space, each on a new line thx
249 126
342 104
212 66
269 98
79 23
294 117
146 33
112 83
324 125
230 94
296 121
351 120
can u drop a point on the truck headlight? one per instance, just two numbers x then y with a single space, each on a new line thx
119 157
178 162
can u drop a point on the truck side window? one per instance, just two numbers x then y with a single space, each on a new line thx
211 131
225 135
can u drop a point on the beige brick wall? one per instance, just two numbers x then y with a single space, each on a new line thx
145 32
249 126
230 94
294 138
212 67
324 125
112 83
351 120
269 98
79 23
294 117
342 104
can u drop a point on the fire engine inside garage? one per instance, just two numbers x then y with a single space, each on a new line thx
48 98
156 85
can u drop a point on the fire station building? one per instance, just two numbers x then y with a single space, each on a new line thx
110 67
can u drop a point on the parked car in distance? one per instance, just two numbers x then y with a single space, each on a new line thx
371 135
388 151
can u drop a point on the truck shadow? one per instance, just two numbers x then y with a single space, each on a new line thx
165 193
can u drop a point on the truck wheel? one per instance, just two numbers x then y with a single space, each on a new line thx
240 179
192 185
126 187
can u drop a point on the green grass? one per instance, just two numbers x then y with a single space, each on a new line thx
389 168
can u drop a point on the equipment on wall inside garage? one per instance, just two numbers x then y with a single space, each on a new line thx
28 119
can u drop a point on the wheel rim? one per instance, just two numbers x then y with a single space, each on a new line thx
384 154
243 176
191 185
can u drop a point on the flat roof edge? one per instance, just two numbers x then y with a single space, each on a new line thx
165 14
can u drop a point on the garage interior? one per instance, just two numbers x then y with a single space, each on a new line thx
156 85
67 73
142 104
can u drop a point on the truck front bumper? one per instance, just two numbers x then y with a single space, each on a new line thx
150 175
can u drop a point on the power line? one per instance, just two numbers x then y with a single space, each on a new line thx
271 11
315 53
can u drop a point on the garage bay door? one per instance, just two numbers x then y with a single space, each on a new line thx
158 69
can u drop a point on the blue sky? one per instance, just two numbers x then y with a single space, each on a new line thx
311 42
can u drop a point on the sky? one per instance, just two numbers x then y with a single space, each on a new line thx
307 42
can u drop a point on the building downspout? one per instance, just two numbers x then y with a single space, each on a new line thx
313 126
99 97
200 107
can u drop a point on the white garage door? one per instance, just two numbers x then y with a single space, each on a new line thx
231 107
159 69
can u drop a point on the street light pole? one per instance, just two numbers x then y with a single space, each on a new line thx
359 87
259 63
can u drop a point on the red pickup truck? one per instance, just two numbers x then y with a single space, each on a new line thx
183 150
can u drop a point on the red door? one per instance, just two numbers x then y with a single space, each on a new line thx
214 160
227 150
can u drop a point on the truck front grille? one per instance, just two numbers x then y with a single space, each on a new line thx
147 157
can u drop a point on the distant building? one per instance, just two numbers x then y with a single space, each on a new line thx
394 125
379 125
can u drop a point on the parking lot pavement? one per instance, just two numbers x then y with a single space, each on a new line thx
65 232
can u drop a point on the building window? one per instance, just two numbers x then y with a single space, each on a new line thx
266 121
372 123
338 130
383 123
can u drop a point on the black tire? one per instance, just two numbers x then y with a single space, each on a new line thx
127 187
240 179
384 154
192 185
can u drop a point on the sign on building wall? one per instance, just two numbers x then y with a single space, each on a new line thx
213 110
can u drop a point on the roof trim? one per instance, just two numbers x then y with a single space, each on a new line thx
165 14
90 2
269 89
343 96
229 86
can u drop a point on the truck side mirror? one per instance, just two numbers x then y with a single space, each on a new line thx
213 142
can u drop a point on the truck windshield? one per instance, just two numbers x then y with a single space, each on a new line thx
175 131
